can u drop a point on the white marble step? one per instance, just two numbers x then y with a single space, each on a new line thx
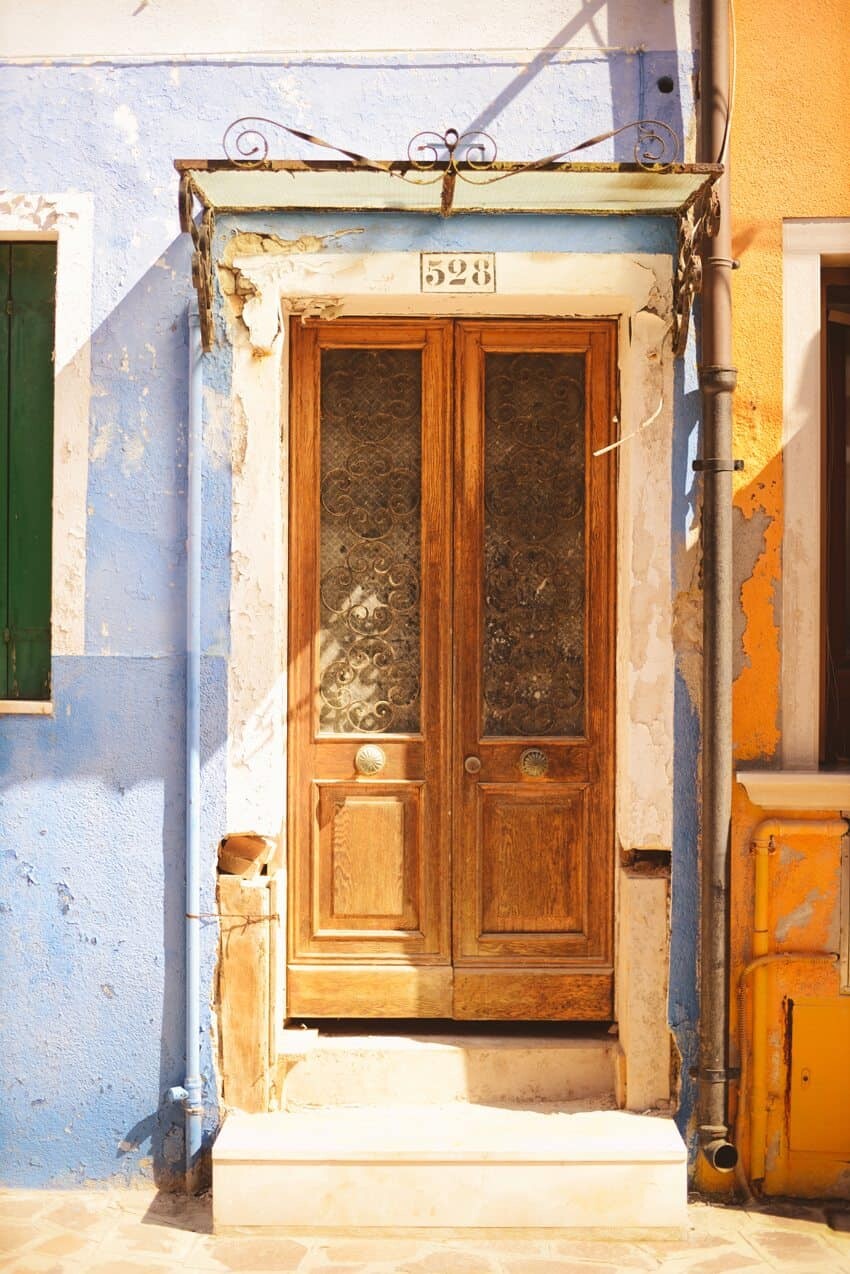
459 1166
325 1069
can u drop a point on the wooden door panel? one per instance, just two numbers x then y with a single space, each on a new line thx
494 994
532 864
534 669
376 989
368 865
369 663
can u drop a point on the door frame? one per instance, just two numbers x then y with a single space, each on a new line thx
633 288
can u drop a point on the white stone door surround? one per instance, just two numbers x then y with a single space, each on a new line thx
636 290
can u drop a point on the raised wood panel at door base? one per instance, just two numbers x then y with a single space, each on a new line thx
491 993
532 884
368 865
374 990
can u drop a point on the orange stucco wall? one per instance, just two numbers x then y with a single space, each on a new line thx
790 158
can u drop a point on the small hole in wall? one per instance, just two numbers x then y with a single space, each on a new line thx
665 84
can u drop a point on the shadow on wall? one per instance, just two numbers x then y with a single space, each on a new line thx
93 799
683 998
648 86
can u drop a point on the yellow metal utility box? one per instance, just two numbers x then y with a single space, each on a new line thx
819 1116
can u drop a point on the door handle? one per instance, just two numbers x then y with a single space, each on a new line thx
472 764
370 759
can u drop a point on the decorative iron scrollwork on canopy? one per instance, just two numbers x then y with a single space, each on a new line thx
471 156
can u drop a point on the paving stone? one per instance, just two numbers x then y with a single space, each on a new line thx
502 1247
138 1237
622 1254
377 1250
61 1245
340 1269
693 1243
449 1261
725 1263
251 1253
78 1217
793 1250
557 1265
177 1212
12 1207
119 1266
13 1237
39 1265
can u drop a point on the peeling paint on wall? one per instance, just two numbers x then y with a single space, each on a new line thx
749 536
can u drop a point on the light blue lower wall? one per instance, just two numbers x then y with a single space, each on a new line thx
92 904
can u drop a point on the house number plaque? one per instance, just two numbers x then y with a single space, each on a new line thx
457 271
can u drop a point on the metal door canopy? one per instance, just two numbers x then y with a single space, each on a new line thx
446 175
584 189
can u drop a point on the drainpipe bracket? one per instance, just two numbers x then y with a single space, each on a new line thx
719 1076
715 465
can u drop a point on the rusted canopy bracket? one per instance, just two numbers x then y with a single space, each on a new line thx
447 173
202 237
700 220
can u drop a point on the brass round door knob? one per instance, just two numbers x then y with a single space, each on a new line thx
472 764
370 759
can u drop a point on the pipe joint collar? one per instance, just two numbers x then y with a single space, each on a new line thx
718 380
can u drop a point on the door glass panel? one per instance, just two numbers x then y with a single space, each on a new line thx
534 545
371 463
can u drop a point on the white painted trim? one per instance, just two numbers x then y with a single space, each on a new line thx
797 789
26 708
636 290
805 245
67 219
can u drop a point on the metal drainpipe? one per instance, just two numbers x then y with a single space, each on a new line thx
717 383
190 1095
193 1107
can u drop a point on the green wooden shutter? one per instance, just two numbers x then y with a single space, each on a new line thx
26 454
5 328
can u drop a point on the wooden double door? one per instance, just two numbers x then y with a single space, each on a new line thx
451 642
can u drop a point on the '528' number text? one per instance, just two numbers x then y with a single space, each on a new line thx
458 272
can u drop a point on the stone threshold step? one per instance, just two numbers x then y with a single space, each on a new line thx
329 1069
459 1166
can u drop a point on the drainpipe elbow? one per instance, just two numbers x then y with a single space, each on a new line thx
718 1150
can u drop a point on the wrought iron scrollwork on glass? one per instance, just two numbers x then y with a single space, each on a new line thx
369 589
534 545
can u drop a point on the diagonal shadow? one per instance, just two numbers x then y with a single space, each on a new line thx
521 81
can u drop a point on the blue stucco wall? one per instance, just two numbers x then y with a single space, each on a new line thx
92 800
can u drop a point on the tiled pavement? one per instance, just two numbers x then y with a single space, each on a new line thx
130 1231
